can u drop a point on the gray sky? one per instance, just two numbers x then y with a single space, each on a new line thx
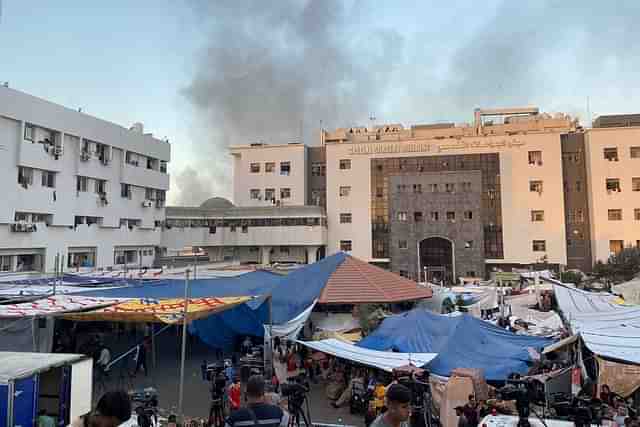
209 73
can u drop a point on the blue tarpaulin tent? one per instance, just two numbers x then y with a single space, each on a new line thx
291 295
461 341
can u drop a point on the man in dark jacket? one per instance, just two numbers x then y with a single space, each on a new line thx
257 412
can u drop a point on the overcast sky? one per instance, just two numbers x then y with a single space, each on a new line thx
209 73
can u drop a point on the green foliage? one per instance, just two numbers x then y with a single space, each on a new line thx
622 267
571 277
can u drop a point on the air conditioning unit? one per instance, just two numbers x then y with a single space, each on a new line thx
85 156
147 204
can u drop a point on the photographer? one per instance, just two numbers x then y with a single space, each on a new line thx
257 411
398 402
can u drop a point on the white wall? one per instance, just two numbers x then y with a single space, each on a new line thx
600 201
244 180
178 238
64 202
517 201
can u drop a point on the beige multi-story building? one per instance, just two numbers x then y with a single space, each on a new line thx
514 189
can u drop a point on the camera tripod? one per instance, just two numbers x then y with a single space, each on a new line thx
216 413
296 411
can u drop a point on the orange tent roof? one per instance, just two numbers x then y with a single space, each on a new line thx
355 281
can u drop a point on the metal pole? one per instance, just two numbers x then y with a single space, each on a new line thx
55 277
184 345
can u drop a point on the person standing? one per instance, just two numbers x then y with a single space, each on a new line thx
45 420
462 419
471 411
141 358
398 411
257 411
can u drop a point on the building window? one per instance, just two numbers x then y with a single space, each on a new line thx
578 186
254 194
254 168
433 215
48 179
539 245
285 193
284 250
417 216
25 176
232 228
345 218
537 216
468 244
451 216
100 186
212 230
269 193
402 216
611 154
82 183
635 184
29 132
245 228
535 158
125 191
402 188
345 191
535 186
379 192
269 167
417 188
634 152
149 194
285 168
613 185
433 188
403 273
468 215
345 164
402 244
131 159
636 214
450 188
466 187
345 245
318 169
616 246
615 214
471 274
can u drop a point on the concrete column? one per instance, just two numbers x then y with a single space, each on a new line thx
266 255
311 254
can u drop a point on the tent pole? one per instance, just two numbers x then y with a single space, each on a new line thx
269 351
184 345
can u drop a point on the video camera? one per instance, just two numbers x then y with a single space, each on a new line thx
214 373
295 389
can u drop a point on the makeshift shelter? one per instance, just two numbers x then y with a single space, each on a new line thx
461 341
607 327
630 290
387 361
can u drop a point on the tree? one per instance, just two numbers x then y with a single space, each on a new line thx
571 277
621 267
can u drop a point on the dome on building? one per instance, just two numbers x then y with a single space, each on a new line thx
216 203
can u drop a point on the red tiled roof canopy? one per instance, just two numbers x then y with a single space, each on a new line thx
356 282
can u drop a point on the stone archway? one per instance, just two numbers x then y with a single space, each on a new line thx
436 259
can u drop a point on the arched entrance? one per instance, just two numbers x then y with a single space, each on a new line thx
436 259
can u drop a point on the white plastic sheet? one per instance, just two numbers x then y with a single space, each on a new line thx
384 360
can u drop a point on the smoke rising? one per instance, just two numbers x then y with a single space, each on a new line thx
271 71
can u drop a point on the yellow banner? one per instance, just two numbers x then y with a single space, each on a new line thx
159 310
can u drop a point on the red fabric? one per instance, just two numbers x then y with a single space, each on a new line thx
291 364
234 396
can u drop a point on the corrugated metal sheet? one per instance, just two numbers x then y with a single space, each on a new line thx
356 281
19 365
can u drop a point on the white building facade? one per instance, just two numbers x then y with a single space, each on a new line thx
76 186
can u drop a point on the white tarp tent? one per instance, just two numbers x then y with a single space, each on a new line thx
608 329
629 290
384 360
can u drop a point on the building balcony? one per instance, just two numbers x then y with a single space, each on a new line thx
143 177
35 155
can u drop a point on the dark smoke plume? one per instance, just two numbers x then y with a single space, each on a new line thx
272 70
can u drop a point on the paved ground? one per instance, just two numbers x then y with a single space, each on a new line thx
165 378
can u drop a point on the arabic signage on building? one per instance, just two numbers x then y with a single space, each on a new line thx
425 147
